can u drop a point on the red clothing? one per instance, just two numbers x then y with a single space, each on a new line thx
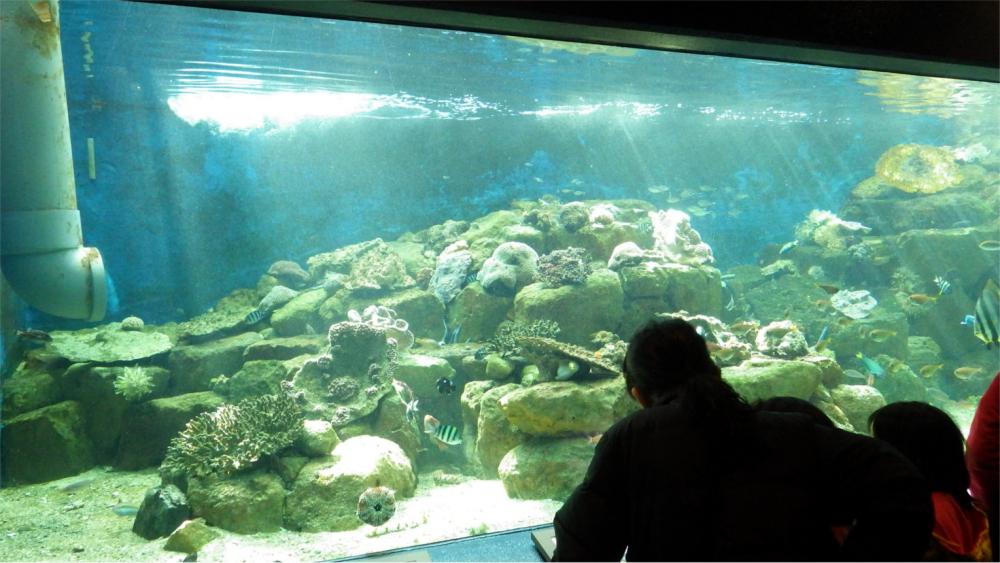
982 456
962 531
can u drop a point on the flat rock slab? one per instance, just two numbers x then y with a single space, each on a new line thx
104 345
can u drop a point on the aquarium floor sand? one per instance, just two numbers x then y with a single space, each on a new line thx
43 523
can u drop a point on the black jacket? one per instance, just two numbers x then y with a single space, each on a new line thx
656 487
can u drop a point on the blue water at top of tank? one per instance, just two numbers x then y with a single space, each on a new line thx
228 140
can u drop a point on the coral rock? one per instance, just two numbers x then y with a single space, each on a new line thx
918 168
449 275
512 266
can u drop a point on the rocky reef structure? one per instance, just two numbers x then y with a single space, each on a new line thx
560 361
449 275
826 230
569 266
854 304
782 339
383 318
674 236
920 169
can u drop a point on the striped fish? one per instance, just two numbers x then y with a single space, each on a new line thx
442 434
988 315
254 316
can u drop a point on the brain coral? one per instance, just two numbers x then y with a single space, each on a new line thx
918 168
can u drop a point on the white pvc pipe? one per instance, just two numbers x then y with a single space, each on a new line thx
41 240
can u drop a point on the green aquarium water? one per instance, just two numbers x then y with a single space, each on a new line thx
370 286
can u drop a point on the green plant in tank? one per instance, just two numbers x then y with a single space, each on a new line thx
234 437
133 383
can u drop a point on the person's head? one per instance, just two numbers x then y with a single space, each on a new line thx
796 405
930 439
662 357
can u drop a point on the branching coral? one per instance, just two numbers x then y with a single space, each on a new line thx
564 267
234 437
504 342
134 383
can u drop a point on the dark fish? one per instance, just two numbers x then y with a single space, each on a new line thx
988 315
445 386
254 317
191 558
481 353
470 277
34 335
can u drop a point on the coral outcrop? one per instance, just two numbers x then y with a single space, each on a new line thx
920 169
452 268
234 437
674 236
512 266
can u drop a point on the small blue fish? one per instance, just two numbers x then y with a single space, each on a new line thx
823 337
969 320
254 316
125 510
873 367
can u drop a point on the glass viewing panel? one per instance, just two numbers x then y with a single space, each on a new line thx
432 245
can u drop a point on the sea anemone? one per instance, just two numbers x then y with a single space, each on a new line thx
376 505
134 383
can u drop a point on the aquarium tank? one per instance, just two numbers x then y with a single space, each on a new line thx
300 288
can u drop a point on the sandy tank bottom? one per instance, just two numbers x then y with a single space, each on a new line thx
44 523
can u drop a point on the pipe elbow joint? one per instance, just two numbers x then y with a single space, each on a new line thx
46 264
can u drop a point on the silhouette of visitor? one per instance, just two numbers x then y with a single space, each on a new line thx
697 474
934 443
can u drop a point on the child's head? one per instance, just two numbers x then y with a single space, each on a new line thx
930 439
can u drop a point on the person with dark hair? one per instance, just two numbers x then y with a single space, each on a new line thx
697 474
795 404
982 457
933 442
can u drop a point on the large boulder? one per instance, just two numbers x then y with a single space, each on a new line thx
393 424
318 438
563 407
857 402
417 307
495 435
244 503
194 367
94 388
546 468
255 378
477 312
325 494
46 444
163 509
422 372
580 310
285 348
29 389
762 378
147 428
296 316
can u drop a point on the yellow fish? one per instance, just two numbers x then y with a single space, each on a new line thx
965 372
922 298
930 370
880 335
